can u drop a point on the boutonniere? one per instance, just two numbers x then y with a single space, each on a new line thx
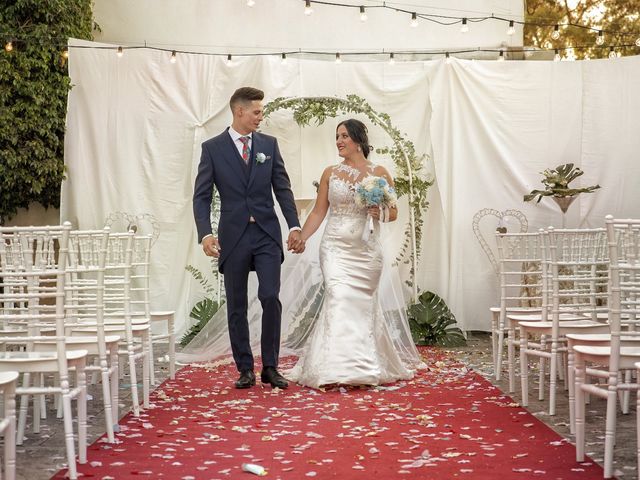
261 157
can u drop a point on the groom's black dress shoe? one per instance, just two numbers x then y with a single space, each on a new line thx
271 375
247 379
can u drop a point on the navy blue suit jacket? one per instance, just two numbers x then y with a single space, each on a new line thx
244 191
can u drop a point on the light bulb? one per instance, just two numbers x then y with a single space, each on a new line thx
65 53
512 29
464 28
250 3
8 46
363 14
173 57
120 52
392 59
307 7
600 38
557 57
612 53
414 20
556 33
284 59
501 57
338 59
229 61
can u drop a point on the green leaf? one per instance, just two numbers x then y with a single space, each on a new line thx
432 323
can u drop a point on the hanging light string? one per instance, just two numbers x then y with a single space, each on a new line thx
453 20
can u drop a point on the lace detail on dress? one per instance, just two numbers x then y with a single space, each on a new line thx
342 190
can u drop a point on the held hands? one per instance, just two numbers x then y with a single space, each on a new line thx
211 246
295 243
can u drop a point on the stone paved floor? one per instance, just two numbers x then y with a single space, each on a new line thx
42 455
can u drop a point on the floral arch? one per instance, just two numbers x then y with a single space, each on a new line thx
409 177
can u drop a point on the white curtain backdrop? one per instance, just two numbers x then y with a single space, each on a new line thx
135 125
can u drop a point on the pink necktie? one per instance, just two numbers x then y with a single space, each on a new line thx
245 148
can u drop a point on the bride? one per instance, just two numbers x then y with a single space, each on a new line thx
351 343
343 311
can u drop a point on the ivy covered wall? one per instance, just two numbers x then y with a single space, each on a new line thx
33 97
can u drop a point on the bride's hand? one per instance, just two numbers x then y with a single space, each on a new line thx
374 212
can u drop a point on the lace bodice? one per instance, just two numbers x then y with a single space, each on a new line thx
342 190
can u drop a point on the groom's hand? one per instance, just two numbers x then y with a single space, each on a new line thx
211 246
295 243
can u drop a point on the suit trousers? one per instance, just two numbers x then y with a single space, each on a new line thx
255 250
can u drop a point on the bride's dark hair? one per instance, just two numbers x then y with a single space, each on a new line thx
358 133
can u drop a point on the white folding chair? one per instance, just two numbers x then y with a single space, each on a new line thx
522 289
622 353
8 423
575 261
35 275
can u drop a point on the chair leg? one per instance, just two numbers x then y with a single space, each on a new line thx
610 426
524 370
151 360
499 352
147 365
68 430
81 380
511 357
106 395
24 406
133 379
115 385
10 435
571 379
580 407
553 379
495 316
542 365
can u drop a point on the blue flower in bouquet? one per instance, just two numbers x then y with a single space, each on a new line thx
372 191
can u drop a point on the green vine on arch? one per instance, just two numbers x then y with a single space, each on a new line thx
409 177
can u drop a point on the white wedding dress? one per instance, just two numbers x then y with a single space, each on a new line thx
351 342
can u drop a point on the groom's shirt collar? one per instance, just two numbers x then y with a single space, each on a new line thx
235 135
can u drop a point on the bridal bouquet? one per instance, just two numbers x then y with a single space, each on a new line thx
374 191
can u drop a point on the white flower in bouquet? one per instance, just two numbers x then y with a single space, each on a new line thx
374 191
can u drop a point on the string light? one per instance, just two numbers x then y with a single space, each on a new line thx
250 3
173 57
612 53
414 20
120 52
392 59
229 60
556 57
283 59
600 38
512 29
556 32
338 59
363 14
501 57
464 28
8 46
307 7
65 53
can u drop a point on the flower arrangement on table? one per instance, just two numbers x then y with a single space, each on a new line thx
556 182
375 191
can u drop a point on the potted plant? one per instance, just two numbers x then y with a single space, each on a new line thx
556 182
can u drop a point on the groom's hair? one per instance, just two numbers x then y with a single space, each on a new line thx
245 95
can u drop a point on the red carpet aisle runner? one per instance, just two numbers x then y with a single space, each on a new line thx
447 422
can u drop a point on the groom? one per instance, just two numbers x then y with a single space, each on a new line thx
246 166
